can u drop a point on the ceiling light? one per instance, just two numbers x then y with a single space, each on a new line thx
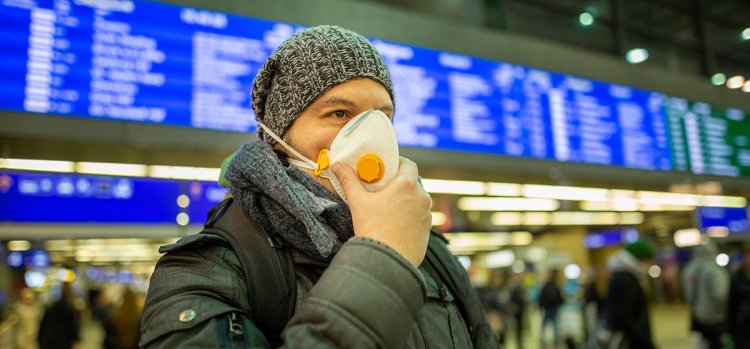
37 165
564 192
585 218
631 218
507 204
500 259
111 169
19 245
586 19
687 237
736 82
662 198
718 79
637 55
610 205
723 201
181 172
745 34
438 218
746 86
442 186
507 218
504 189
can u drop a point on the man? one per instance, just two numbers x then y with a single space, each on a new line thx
60 324
626 303
550 300
364 275
706 286
739 303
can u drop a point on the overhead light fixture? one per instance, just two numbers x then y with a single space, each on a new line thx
504 189
586 19
736 82
687 237
37 165
745 35
438 218
564 192
718 79
188 173
723 201
663 198
443 186
636 55
746 86
19 245
507 218
566 218
111 169
610 205
507 204
499 259
631 218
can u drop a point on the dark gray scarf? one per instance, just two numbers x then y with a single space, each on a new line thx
289 203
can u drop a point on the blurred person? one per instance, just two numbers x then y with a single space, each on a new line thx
59 328
706 287
101 310
550 300
518 304
125 321
23 322
491 296
593 303
367 270
626 303
738 315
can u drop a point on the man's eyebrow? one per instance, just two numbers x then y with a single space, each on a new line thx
334 101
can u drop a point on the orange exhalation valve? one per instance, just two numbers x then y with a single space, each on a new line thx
323 162
370 168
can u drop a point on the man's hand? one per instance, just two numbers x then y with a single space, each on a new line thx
397 215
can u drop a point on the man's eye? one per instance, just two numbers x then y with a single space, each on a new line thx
339 114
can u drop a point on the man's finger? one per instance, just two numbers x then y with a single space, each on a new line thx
348 178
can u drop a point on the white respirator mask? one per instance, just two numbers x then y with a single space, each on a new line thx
367 143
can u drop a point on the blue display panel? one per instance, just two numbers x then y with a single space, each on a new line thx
610 238
164 64
73 198
735 219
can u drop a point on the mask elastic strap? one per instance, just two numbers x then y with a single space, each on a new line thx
309 163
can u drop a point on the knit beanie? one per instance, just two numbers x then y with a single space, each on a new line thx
306 66
640 249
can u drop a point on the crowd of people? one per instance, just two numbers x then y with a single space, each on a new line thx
30 325
718 298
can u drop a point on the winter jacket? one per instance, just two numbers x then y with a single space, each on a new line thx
369 296
706 286
627 306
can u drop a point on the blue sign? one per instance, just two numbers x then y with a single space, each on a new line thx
73 198
164 64
735 220
610 238
203 196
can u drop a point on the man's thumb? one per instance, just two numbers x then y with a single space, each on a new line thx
348 178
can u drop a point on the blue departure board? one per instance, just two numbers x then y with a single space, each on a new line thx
734 219
166 64
73 198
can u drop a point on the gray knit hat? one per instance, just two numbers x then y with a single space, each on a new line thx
306 66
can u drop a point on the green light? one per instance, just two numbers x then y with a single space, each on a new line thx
718 79
746 34
586 19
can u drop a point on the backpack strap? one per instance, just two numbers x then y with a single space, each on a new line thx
267 267
449 272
